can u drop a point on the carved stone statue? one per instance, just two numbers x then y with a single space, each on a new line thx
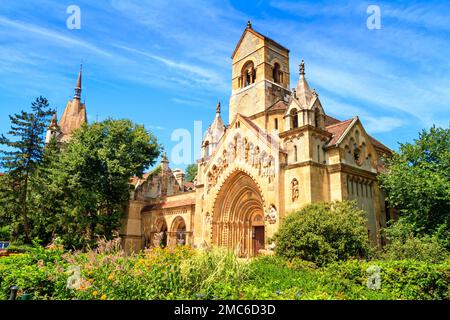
157 238
294 189
272 214
246 150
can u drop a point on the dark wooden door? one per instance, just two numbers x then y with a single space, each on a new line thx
258 239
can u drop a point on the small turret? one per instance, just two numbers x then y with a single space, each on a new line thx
52 130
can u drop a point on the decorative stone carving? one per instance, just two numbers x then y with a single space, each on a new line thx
272 214
157 239
294 189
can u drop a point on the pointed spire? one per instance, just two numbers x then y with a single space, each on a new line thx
164 158
54 122
303 92
249 24
78 85
218 107
302 68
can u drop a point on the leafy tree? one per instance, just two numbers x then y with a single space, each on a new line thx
417 183
191 172
323 233
91 179
23 154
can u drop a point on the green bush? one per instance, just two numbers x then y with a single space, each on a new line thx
323 233
404 244
403 279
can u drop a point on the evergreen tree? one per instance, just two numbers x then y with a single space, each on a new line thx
21 157
191 172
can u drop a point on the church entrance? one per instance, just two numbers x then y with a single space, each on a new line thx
238 219
258 239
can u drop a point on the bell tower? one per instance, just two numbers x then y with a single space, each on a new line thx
260 74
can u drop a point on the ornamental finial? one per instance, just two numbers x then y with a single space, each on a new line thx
302 68
218 107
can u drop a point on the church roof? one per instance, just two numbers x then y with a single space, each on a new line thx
338 129
279 105
259 35
174 204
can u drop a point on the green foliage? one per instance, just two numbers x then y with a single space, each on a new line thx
23 154
418 184
184 273
403 279
214 273
402 244
86 188
323 233
191 172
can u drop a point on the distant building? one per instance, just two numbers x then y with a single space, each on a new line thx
74 117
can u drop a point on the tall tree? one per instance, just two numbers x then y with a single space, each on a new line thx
417 182
93 174
20 159
47 198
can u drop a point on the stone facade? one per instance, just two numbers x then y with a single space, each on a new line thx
279 152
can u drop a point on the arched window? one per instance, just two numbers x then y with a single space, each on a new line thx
276 73
295 154
248 75
316 118
207 151
276 123
294 119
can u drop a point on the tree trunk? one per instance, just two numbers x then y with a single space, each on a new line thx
26 226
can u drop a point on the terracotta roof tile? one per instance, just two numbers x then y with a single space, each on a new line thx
338 130
189 185
379 145
174 204
330 121
279 105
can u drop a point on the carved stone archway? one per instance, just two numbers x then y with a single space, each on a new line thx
178 233
237 215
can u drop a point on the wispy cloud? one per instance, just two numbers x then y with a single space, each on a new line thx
53 35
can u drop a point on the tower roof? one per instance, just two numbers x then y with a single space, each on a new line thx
78 85
250 29
75 112
303 92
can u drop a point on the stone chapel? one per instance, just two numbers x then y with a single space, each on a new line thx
279 152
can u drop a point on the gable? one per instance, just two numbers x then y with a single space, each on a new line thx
249 42
243 130
357 145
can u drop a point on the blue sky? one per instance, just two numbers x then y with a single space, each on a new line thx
165 64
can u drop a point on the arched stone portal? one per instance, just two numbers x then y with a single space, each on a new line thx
178 235
158 238
238 219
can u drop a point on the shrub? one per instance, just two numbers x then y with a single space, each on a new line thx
214 272
403 279
403 244
323 233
